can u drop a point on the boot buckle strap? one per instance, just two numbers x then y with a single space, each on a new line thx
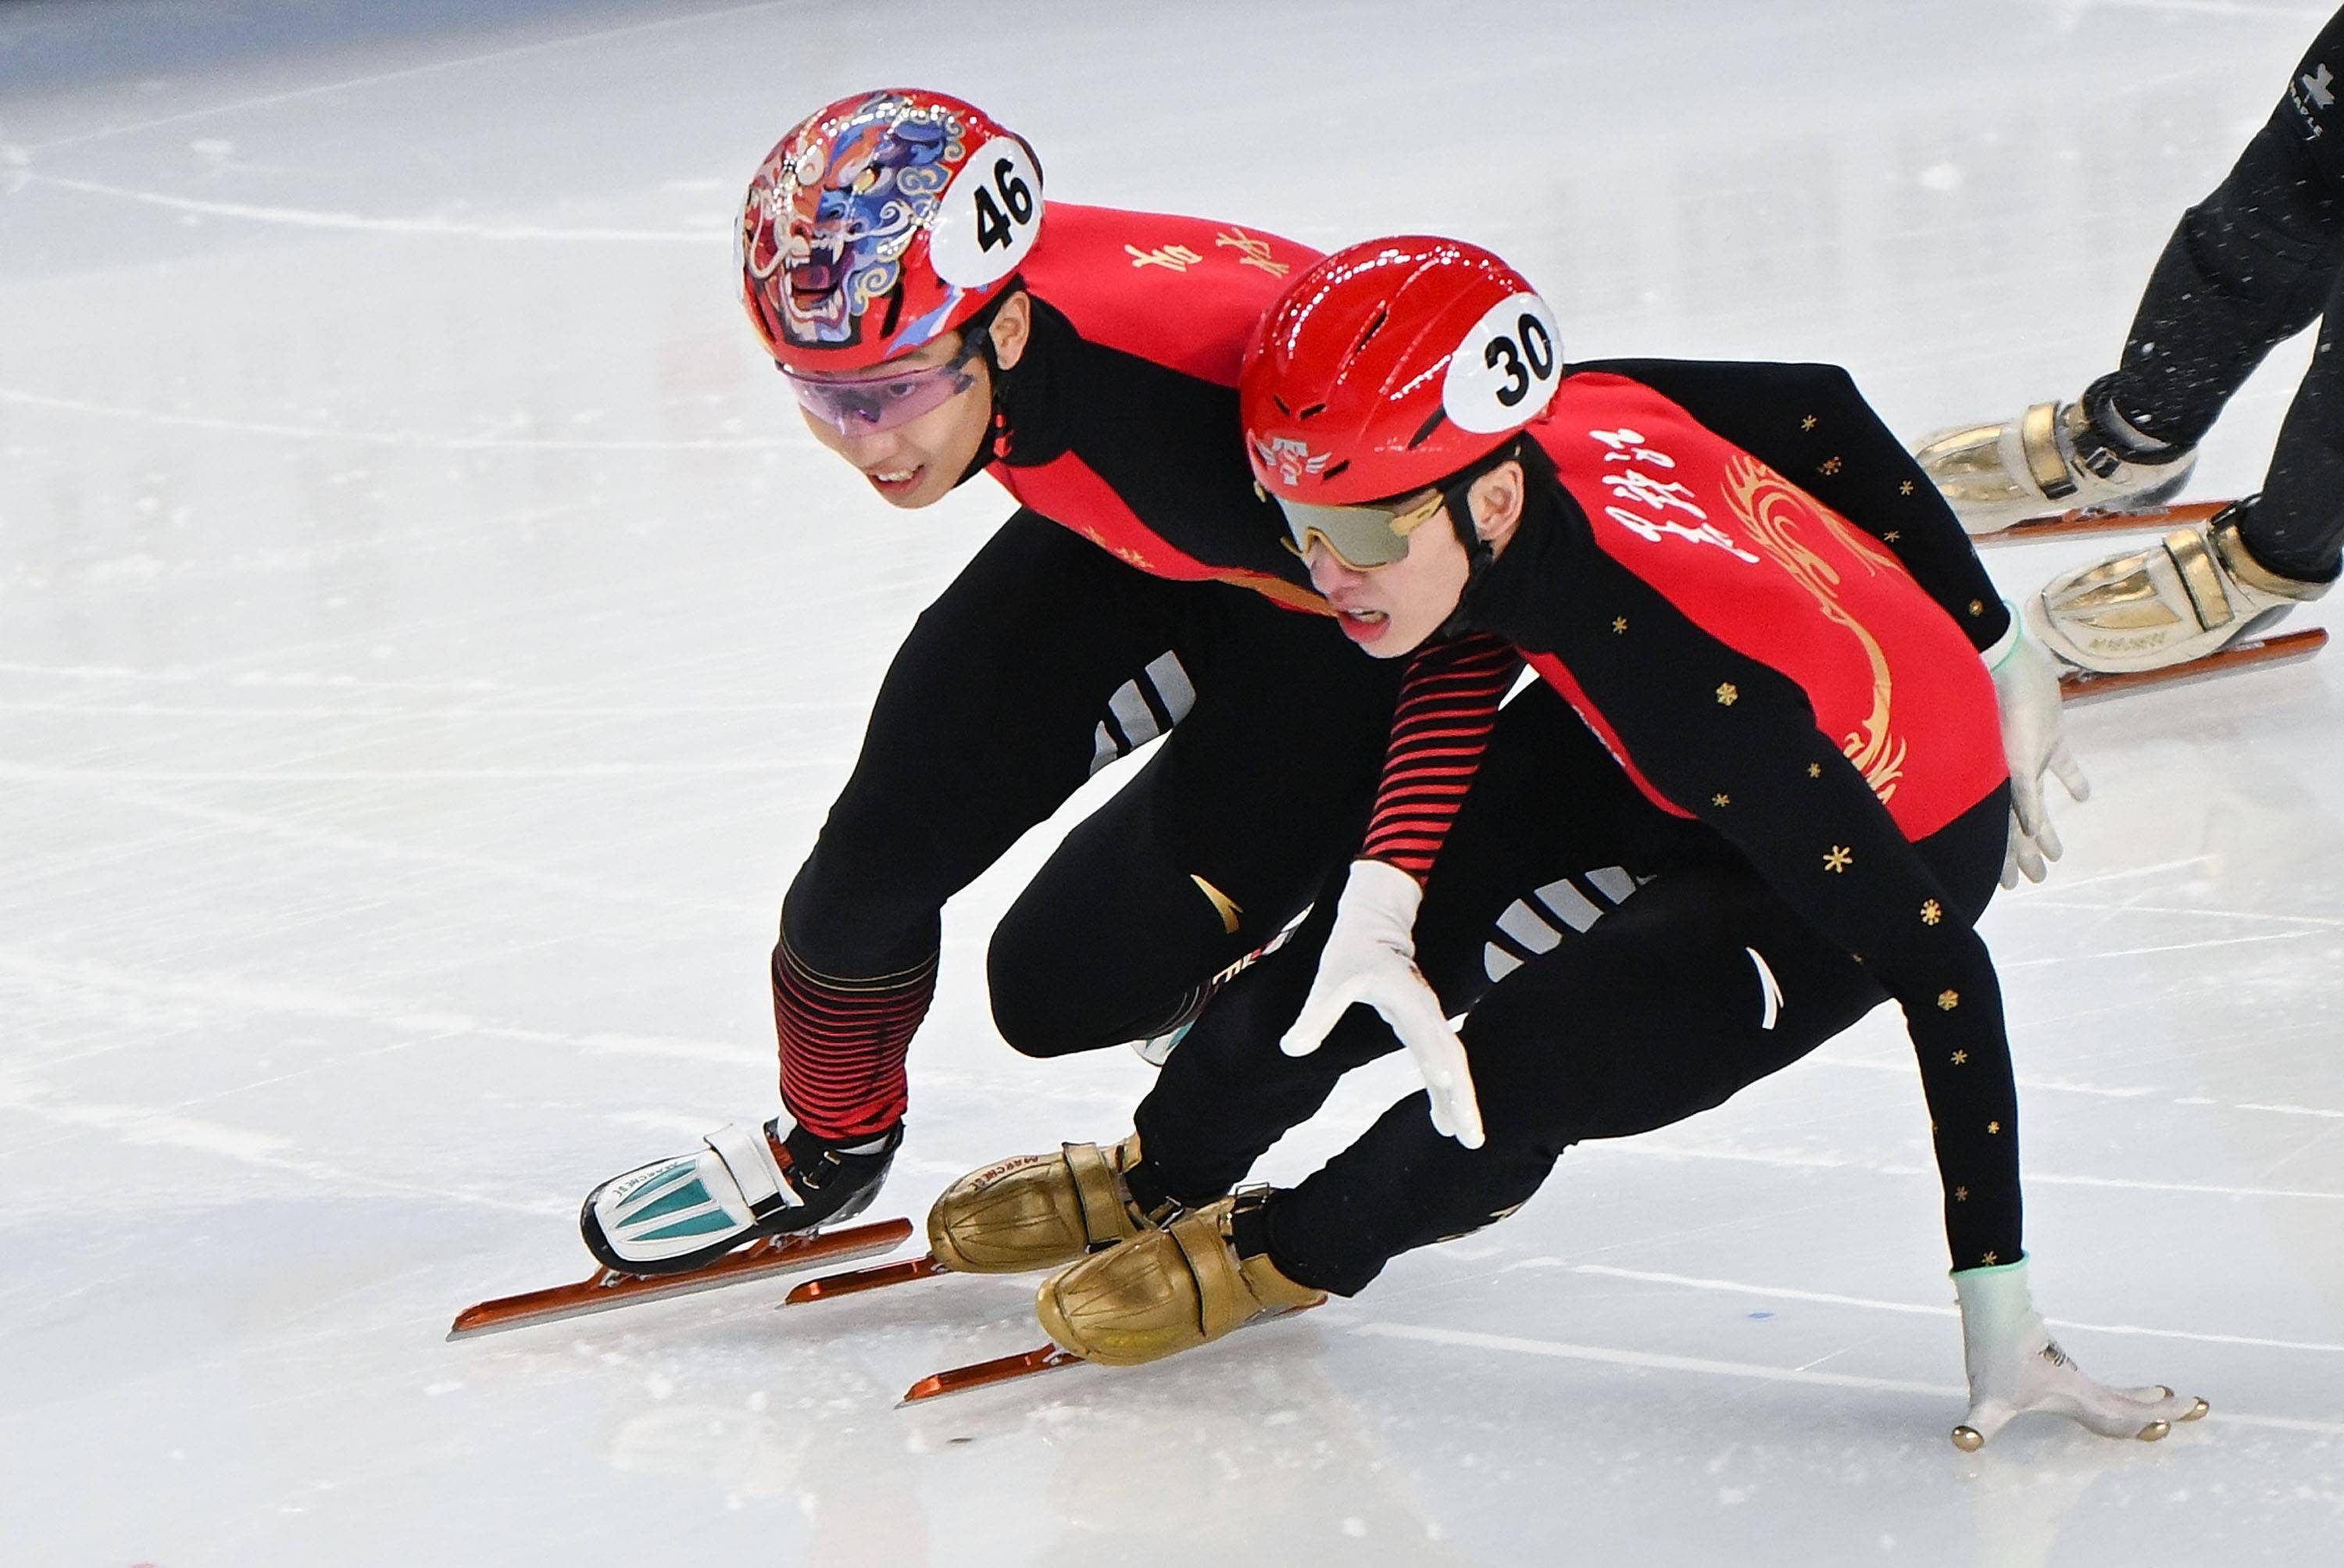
2038 442
2201 578
749 1159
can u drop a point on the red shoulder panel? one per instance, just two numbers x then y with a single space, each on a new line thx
1184 292
1067 491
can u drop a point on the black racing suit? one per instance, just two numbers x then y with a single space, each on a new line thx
1678 867
1141 590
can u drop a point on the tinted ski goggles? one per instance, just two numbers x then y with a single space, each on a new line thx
1362 537
863 405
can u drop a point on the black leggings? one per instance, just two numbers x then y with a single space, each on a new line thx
1046 660
2253 263
1623 970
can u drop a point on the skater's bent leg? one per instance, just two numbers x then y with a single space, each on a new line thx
2296 526
1660 1012
1514 877
1258 793
2245 268
1112 939
1228 1093
983 726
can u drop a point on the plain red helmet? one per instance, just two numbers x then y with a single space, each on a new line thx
1390 366
882 222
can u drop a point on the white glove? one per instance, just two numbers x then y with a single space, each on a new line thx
2034 741
2016 1366
1370 957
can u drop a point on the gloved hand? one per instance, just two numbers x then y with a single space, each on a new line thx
2016 1366
2033 742
1370 957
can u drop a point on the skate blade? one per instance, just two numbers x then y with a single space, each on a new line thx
2091 686
984 1374
2087 521
855 1281
607 1287
1048 1358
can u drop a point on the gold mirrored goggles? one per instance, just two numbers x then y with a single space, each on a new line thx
1362 537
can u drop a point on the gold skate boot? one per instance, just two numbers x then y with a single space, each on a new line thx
1038 1210
2190 593
1166 1291
2050 459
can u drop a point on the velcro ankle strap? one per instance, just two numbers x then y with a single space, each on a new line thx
750 1160
2038 444
1106 1210
1223 1301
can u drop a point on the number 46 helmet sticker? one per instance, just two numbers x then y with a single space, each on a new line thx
1505 370
988 217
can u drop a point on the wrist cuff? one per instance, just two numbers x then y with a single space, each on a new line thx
1379 887
2007 643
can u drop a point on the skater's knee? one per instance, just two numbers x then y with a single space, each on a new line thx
2274 206
1044 1005
1544 1082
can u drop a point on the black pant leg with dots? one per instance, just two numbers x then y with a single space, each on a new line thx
2256 262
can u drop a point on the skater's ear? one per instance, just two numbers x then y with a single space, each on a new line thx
1496 499
1010 325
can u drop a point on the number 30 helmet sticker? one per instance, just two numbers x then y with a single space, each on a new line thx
1506 370
988 217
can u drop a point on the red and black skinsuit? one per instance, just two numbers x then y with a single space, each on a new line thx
1140 586
1759 789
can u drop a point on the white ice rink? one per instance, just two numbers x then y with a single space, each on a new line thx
429 643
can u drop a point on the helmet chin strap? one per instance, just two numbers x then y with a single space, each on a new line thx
1457 499
997 424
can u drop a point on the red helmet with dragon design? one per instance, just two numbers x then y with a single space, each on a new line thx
879 224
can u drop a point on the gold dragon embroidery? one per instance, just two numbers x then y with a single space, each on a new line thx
1775 512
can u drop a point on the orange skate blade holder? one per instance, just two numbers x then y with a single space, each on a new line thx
1044 1358
2113 519
606 1289
855 1281
983 1374
2090 686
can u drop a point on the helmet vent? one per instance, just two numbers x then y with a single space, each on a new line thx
1313 412
1374 326
1335 468
1282 405
1424 431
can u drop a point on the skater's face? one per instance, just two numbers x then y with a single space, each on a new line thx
1390 610
914 463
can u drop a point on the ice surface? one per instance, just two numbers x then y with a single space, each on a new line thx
428 643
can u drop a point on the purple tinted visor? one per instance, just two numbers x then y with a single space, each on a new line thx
862 405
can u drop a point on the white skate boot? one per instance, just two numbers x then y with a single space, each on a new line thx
676 1214
2053 458
2193 592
